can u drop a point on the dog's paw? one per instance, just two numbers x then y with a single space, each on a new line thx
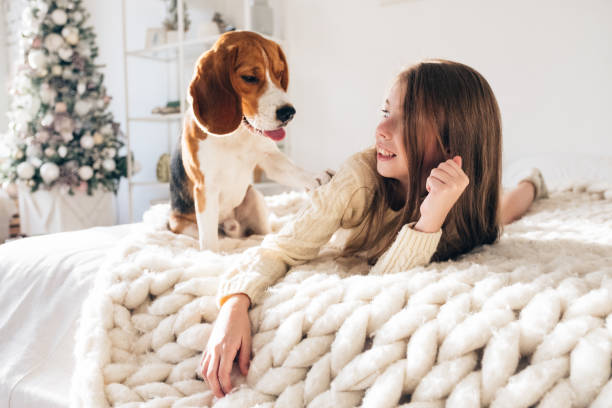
320 179
232 228
209 244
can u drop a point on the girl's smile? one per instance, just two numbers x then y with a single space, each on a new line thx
384 154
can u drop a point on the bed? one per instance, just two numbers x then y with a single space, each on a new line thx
43 283
47 290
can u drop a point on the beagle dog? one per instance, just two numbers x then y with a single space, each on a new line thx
238 110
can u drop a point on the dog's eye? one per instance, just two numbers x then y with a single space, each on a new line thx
250 79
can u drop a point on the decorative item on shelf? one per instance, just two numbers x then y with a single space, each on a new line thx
163 168
222 25
262 17
155 37
171 107
171 22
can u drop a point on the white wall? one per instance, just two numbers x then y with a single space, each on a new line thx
548 62
4 65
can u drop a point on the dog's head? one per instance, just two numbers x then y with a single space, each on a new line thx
243 78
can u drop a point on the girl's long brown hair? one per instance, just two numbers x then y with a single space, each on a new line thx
458 103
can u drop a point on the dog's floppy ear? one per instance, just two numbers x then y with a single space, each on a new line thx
285 77
216 105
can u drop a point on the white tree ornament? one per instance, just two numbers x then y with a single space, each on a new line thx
37 59
62 151
42 7
85 173
49 172
71 34
65 53
59 17
77 17
87 142
82 107
53 42
25 170
109 164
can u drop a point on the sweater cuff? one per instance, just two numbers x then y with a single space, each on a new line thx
411 248
230 288
252 277
243 282
421 242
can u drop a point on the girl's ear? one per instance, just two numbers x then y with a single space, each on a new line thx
216 106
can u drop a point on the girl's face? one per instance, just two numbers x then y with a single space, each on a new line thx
391 156
391 160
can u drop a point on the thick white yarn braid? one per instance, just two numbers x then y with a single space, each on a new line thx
523 322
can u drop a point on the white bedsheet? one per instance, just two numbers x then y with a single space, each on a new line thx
43 282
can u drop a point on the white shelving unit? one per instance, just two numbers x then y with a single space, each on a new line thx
165 53
168 53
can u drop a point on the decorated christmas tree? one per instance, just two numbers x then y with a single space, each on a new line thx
60 131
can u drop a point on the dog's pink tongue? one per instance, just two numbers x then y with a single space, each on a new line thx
276 135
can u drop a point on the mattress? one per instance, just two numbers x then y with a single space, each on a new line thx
43 282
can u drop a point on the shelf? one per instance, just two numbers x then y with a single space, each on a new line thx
157 118
166 52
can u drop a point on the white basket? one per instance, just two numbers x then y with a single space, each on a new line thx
49 211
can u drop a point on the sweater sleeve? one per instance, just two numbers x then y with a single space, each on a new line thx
411 248
346 195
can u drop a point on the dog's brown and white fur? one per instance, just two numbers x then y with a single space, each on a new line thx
238 104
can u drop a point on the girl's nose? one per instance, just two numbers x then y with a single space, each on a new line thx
380 133
381 136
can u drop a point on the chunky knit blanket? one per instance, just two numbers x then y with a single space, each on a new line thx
522 322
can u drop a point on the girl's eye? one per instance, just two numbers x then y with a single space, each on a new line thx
385 113
249 79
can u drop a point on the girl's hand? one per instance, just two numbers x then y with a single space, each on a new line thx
445 185
231 333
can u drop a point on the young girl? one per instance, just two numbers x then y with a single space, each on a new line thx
428 191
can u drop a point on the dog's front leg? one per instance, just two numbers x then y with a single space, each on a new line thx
206 202
281 169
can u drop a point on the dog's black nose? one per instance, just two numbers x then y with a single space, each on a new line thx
285 113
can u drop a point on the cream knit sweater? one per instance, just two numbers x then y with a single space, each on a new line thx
340 202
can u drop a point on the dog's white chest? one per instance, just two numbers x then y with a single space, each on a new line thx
228 164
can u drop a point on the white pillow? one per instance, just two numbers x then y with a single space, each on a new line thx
560 169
